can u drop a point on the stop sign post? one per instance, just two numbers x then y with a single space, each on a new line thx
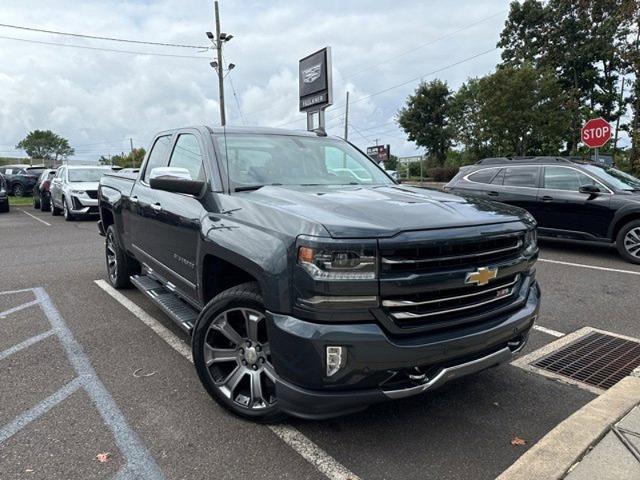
596 133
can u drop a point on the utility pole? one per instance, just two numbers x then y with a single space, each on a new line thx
131 143
218 64
346 119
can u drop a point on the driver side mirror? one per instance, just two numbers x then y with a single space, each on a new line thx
589 189
175 180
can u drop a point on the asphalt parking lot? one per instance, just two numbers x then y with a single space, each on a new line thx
84 375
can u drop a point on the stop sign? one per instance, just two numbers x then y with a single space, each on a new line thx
596 132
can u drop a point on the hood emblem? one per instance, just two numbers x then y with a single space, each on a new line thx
311 74
481 277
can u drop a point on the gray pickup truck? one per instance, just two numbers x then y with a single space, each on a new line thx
312 284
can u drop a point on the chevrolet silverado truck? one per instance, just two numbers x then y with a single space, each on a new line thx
311 283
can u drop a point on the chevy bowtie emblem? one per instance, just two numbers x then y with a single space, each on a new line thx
311 74
482 276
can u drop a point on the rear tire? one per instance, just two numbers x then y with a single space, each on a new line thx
120 267
18 190
4 207
55 211
628 242
232 355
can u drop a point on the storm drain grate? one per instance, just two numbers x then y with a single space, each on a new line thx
596 359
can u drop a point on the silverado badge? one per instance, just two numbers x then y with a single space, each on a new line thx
482 276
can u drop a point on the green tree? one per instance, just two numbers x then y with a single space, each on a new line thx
425 118
132 159
45 145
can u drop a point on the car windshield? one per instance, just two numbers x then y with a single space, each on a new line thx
86 174
617 178
255 160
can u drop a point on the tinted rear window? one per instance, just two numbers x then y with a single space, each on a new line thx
483 176
521 176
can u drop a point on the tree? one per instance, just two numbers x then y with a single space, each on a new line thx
425 118
45 145
518 110
132 159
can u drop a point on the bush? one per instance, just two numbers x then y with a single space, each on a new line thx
442 174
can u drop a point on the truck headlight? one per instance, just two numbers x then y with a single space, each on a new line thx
530 242
338 263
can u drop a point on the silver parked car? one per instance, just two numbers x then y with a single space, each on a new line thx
74 190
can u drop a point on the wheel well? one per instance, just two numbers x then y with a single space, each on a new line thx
623 221
219 275
106 216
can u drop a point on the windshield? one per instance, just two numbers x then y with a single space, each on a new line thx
256 160
86 174
617 178
35 171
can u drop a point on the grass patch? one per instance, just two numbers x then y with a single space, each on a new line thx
20 201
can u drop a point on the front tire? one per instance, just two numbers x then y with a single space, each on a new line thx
55 211
36 201
65 211
232 355
45 203
120 266
628 242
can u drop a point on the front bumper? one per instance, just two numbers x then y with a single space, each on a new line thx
83 206
378 365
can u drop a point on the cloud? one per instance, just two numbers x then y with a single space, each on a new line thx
100 99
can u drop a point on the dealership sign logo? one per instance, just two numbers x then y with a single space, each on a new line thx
311 74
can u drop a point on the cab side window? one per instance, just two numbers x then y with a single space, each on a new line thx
521 177
560 178
187 154
158 155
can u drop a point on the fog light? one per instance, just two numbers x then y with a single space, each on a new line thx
336 358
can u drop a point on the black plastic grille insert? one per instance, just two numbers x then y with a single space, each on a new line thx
596 359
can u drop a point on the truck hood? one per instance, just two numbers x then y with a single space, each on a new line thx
380 211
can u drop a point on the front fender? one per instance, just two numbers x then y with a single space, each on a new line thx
263 254
620 215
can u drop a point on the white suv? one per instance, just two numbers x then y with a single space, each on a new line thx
74 190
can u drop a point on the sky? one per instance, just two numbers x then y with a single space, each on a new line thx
100 100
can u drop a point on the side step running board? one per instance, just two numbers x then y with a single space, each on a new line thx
178 310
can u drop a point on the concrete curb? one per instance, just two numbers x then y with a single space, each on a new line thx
562 447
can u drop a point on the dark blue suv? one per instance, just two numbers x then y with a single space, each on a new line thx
21 178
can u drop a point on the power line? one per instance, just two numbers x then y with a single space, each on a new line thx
111 39
236 98
431 42
130 52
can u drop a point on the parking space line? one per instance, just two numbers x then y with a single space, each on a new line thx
548 331
18 308
33 216
39 410
593 267
26 344
10 292
291 436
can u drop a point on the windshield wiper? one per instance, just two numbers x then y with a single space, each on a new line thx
248 188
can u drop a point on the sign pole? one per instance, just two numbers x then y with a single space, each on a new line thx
596 152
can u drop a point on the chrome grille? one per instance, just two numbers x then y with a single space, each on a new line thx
445 305
470 253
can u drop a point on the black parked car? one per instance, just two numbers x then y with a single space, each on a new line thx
4 199
21 178
569 199
41 190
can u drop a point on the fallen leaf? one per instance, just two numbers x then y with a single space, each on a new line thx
103 457
518 442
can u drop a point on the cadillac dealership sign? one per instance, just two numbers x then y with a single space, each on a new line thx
315 81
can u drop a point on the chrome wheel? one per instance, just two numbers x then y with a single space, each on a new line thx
112 258
65 209
238 358
632 242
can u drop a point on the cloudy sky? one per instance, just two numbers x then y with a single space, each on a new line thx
99 99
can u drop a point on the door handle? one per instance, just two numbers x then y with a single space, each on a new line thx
133 199
547 198
493 193
156 207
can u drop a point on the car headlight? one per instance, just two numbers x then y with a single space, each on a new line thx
338 262
531 242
